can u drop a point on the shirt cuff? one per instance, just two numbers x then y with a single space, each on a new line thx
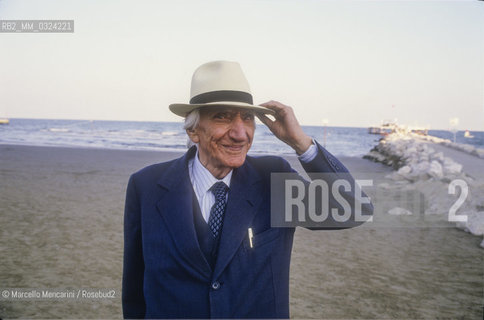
310 153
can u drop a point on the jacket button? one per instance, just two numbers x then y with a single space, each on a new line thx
215 285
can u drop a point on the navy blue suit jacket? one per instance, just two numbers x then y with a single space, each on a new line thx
166 274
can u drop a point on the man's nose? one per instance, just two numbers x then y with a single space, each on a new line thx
237 129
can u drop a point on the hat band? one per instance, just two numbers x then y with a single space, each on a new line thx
222 95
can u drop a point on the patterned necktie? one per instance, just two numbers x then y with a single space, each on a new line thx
215 220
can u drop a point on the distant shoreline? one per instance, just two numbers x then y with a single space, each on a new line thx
258 123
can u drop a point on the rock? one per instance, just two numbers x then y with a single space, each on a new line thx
412 150
397 211
423 167
421 147
375 156
436 170
451 167
415 162
384 185
420 171
462 226
475 223
479 153
439 156
395 176
454 169
405 170
466 148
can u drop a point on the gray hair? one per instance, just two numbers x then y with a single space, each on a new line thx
191 122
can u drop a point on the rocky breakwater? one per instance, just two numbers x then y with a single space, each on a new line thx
420 167
467 148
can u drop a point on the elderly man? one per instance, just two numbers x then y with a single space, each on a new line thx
198 236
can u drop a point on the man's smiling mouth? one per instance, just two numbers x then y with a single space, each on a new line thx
233 148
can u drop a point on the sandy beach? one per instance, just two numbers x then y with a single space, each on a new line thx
61 218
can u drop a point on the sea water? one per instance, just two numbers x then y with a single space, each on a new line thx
341 141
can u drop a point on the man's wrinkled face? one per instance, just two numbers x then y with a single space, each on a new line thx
224 136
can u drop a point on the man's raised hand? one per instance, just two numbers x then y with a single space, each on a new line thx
285 126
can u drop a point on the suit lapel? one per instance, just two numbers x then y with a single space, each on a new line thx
244 198
176 209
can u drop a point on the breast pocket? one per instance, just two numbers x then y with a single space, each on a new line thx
263 238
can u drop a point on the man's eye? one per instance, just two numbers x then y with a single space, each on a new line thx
221 115
248 116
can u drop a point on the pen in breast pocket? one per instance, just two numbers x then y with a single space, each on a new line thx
251 235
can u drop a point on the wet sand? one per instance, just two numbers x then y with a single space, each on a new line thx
61 217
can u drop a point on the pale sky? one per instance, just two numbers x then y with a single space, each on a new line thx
347 62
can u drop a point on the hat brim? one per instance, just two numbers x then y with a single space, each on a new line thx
182 109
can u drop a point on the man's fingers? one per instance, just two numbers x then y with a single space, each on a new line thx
273 105
265 120
282 111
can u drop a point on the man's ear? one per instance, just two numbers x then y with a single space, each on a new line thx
193 135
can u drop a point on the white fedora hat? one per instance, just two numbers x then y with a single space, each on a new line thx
218 83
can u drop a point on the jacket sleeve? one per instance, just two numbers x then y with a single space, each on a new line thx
133 265
325 162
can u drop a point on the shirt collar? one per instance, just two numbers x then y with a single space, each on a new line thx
204 179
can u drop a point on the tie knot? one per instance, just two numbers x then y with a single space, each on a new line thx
219 190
